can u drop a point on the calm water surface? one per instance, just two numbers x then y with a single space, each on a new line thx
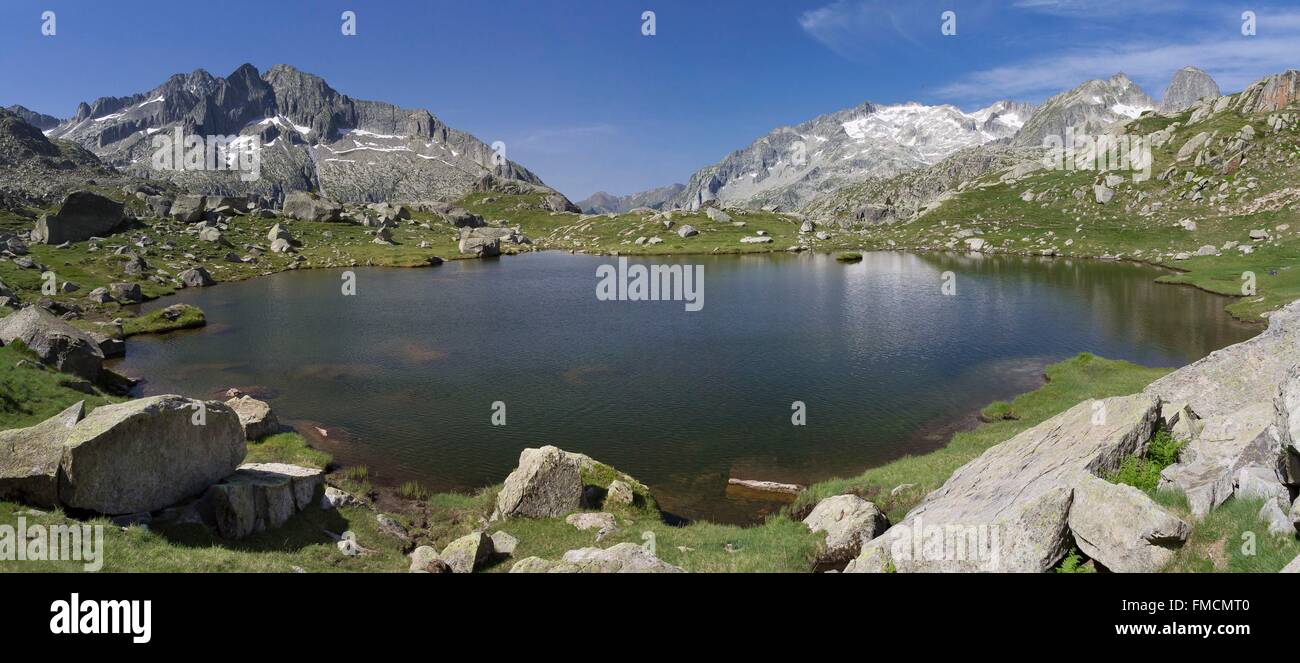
405 374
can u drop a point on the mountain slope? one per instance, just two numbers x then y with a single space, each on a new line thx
313 137
35 170
791 165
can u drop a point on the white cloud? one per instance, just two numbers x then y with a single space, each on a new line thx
851 28
1234 63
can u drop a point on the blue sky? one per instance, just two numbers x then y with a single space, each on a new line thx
581 97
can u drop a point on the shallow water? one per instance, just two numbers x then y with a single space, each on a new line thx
405 373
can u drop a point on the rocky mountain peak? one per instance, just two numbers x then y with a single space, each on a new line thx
351 149
1187 87
1087 109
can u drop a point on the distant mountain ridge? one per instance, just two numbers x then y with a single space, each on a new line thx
606 203
791 165
313 137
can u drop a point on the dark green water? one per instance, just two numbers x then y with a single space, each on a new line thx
405 373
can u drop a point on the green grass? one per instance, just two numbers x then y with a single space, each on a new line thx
1229 539
1069 383
30 394
303 542
850 256
288 448
161 321
413 490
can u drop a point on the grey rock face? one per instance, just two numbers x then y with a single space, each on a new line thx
82 216
546 484
149 453
1188 86
1231 395
57 343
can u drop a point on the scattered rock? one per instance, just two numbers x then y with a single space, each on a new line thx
426 560
196 277
468 553
597 521
503 543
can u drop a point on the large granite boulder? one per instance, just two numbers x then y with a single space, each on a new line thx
30 457
263 496
148 453
255 416
849 522
1007 510
83 215
311 207
1231 396
546 484
1122 528
56 342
